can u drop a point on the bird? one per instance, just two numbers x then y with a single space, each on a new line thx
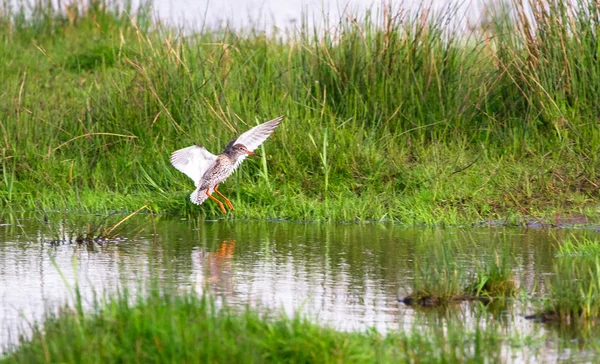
208 170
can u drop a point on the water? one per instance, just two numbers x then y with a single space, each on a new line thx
348 276
266 14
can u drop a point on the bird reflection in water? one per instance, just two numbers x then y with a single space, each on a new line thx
215 267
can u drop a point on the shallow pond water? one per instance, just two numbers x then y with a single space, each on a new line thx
347 276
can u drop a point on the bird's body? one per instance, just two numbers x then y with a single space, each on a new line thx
208 170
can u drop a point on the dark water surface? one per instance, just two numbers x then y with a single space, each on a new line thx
348 276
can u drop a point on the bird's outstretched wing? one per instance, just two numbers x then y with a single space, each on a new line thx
193 161
254 137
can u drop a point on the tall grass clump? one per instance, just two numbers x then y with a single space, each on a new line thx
390 115
494 279
439 278
447 274
395 72
574 292
547 51
574 288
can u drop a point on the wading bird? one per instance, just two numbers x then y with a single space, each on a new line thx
208 170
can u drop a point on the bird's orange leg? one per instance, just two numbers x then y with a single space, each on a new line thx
217 201
226 199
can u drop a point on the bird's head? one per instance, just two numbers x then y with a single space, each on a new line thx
240 149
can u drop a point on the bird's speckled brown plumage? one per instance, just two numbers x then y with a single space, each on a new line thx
223 167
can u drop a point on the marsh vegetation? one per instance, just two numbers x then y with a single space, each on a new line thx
390 116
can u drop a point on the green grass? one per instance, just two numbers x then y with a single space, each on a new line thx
392 116
191 328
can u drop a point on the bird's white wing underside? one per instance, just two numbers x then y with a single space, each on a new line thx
193 161
254 137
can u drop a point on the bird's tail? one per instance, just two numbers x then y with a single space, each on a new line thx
199 196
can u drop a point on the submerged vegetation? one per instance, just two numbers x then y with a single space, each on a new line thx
390 116
443 277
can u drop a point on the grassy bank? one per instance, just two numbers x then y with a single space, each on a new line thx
393 116
188 328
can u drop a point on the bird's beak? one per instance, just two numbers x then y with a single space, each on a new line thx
252 153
